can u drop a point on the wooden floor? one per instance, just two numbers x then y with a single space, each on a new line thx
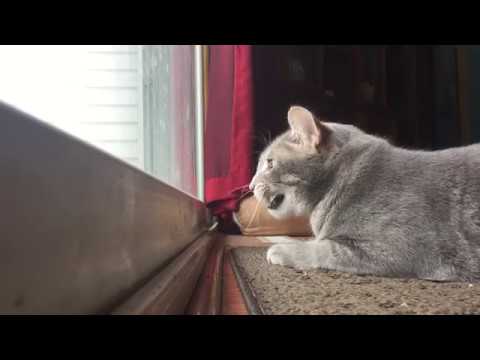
217 290
232 300
233 303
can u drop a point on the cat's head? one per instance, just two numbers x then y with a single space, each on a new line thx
289 165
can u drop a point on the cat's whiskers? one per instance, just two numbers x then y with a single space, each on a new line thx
254 214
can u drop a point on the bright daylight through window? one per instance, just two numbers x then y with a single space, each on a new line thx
141 104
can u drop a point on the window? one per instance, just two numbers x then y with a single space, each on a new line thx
142 104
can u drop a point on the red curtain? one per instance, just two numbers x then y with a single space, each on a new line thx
229 128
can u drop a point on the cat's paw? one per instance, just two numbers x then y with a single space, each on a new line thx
278 255
289 255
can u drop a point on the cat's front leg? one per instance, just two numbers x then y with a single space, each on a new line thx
348 256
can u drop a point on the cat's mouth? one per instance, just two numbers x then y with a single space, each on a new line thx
264 194
276 201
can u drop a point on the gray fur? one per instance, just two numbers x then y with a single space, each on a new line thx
375 208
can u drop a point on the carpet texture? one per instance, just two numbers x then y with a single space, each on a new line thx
280 291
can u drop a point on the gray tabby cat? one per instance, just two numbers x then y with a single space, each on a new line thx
374 208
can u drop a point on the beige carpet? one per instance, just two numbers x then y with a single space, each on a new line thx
280 290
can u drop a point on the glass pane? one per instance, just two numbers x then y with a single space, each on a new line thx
134 102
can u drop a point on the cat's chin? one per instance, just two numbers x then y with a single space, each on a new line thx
281 214
286 212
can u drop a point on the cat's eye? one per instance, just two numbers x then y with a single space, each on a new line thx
269 163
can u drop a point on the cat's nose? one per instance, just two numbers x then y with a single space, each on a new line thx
254 185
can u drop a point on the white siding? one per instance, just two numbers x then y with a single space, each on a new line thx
111 114
109 132
126 150
113 95
112 78
112 61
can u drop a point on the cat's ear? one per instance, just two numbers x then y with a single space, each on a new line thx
311 133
